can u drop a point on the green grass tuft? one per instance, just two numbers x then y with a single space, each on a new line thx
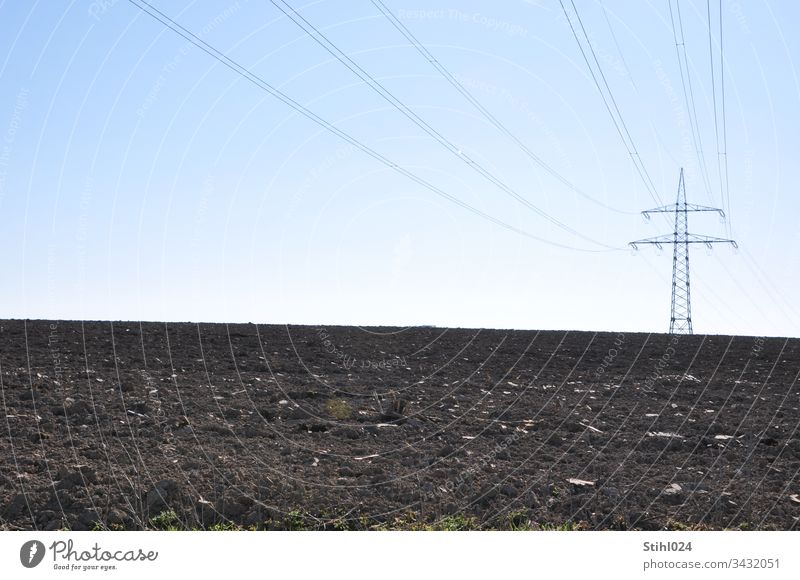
339 409
166 521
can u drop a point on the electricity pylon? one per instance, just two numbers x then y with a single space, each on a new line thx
680 321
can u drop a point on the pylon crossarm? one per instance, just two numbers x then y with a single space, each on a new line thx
663 209
685 207
708 240
695 207
657 241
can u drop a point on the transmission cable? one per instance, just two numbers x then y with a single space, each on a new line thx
657 133
454 82
263 85
714 101
689 97
724 123
387 95
620 125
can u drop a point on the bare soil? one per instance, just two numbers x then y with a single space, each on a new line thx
133 425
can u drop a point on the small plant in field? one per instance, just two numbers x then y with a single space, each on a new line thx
686 526
404 522
338 524
224 527
364 522
518 522
568 526
100 527
167 521
454 523
295 520
397 405
339 409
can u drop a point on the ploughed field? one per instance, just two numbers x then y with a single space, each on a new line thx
154 425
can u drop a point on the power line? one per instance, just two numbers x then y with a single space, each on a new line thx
688 98
387 95
724 123
632 80
714 100
620 125
647 179
701 152
454 82
263 85
616 43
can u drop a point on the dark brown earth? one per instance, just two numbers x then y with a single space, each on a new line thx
109 425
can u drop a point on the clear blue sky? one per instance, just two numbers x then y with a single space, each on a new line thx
142 180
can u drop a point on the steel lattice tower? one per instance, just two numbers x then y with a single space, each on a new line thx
680 321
